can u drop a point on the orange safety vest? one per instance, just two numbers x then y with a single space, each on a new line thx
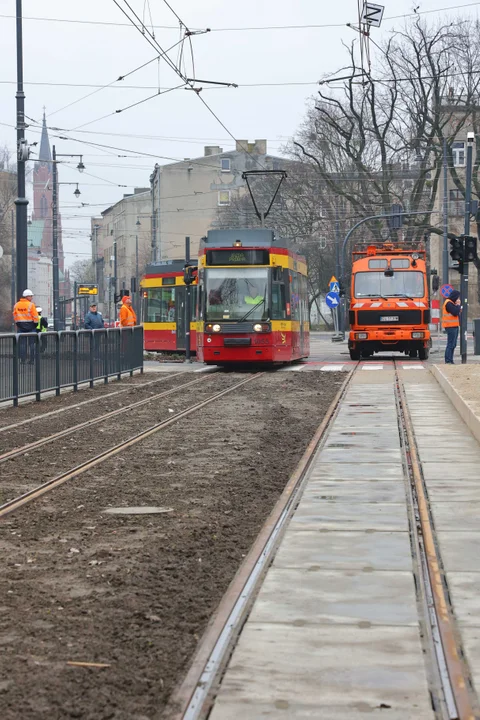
127 316
449 320
25 311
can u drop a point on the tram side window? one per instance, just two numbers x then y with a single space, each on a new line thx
294 295
278 301
160 305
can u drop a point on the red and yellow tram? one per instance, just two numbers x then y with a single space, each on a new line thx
252 302
163 307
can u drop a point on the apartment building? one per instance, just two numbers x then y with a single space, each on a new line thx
186 195
122 231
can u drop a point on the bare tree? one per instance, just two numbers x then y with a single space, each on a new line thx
82 271
379 143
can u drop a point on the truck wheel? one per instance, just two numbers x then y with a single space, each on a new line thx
423 353
354 354
412 353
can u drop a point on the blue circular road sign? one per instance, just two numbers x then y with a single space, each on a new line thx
332 299
446 290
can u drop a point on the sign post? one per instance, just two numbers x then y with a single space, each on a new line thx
334 303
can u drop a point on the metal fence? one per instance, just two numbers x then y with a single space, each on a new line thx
34 363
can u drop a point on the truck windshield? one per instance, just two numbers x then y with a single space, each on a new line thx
401 284
232 292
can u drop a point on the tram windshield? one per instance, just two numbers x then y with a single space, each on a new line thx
231 293
401 284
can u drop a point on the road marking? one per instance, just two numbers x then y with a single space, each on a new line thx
207 368
331 368
413 367
372 367
294 368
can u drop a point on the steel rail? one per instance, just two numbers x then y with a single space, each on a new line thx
35 418
16 452
192 699
45 487
451 666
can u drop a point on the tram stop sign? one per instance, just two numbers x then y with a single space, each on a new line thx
333 300
446 290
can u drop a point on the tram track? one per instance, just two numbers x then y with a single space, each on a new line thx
18 452
193 698
98 398
36 492
450 683
453 697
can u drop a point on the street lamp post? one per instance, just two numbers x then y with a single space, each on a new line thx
55 264
137 290
22 156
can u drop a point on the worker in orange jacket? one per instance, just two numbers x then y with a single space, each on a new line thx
25 317
127 313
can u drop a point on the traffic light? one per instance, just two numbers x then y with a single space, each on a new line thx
470 248
117 298
456 248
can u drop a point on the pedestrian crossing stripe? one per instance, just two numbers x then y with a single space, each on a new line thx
332 368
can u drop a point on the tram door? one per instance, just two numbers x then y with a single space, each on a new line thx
180 316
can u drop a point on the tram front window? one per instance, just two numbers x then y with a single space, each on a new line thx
232 293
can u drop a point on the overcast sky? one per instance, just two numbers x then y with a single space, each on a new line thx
65 61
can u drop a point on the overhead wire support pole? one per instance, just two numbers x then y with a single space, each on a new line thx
465 264
445 217
188 305
22 156
55 270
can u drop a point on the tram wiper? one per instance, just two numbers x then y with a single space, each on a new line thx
251 310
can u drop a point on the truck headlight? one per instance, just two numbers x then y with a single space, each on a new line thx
361 336
418 335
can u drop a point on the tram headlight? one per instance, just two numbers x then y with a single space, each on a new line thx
257 327
216 327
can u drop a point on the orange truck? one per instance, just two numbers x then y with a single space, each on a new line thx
389 306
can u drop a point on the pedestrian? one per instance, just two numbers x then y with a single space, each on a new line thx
94 319
25 317
127 313
42 327
451 323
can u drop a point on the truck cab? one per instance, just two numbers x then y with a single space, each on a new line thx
389 306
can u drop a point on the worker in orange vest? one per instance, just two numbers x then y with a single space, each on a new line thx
25 317
127 313
451 323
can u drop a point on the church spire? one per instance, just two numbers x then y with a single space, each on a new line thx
44 156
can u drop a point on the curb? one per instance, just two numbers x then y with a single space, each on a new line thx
463 408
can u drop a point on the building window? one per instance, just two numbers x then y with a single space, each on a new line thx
456 206
225 164
224 197
458 152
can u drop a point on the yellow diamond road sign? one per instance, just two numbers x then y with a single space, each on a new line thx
87 290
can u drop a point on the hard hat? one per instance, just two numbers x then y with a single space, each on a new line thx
39 309
27 293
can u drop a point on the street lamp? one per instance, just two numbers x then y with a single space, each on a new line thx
76 192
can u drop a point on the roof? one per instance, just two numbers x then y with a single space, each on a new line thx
258 237
35 233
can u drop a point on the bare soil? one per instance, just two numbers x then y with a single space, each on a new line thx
136 591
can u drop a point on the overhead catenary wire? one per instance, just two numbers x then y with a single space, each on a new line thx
311 26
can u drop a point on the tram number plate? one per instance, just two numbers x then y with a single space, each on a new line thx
389 318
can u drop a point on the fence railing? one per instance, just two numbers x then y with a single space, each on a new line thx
35 363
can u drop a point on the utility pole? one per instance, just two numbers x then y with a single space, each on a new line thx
465 265
445 217
56 279
14 295
22 156
188 305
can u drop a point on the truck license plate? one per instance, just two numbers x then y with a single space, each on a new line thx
389 318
